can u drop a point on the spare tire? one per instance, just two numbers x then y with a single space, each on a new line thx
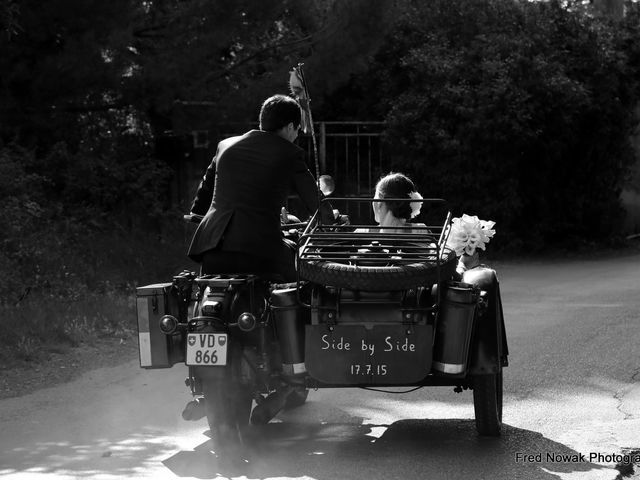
378 278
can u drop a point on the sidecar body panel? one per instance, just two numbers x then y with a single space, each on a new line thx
388 354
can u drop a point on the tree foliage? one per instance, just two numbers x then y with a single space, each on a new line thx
233 54
71 57
520 112
89 87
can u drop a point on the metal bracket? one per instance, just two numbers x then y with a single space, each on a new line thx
325 306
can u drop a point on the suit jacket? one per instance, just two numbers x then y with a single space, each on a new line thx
243 191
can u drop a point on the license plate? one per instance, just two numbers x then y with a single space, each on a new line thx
207 349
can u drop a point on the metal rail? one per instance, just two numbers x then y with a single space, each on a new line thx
377 246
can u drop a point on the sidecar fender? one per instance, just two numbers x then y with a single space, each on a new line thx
488 350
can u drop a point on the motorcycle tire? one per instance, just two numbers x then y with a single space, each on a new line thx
228 407
487 403
296 398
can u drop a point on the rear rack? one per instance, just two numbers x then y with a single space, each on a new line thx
365 245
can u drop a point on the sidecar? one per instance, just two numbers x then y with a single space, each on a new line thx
389 308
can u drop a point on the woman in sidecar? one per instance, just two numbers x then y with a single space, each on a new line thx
398 253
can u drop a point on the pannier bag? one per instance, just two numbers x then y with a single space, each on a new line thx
156 349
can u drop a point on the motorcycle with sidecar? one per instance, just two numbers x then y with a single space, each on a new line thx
372 308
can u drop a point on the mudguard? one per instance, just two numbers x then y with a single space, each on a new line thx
489 349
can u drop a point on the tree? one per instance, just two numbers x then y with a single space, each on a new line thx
518 111
8 13
234 54
91 75
611 8
70 58
88 87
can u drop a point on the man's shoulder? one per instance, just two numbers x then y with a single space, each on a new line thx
226 143
259 144
260 137
229 141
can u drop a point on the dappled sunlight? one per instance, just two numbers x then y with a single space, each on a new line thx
595 474
306 443
570 390
376 432
581 417
379 409
134 456
354 435
408 448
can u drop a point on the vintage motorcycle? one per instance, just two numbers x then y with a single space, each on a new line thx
371 308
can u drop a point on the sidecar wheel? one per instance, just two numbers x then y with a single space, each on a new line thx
487 403
228 408
296 398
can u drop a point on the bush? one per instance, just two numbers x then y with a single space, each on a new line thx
516 111
72 261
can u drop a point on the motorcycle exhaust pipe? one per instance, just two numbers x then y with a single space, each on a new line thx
270 406
194 410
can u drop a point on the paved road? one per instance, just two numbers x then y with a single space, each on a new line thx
572 388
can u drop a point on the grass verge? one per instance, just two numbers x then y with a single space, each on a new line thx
38 327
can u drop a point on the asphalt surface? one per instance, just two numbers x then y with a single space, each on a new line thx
572 406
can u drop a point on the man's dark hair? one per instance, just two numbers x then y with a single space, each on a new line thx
278 111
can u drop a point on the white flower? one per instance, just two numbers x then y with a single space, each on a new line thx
469 233
415 206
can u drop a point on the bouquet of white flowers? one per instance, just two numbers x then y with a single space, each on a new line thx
469 233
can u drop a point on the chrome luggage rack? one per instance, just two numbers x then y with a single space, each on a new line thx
375 246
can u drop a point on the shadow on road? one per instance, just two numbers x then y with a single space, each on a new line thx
443 448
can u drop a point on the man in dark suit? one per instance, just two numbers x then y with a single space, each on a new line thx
243 191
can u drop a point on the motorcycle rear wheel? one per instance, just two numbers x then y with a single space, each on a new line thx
296 398
228 407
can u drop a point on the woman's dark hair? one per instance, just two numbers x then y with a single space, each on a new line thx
396 185
278 111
